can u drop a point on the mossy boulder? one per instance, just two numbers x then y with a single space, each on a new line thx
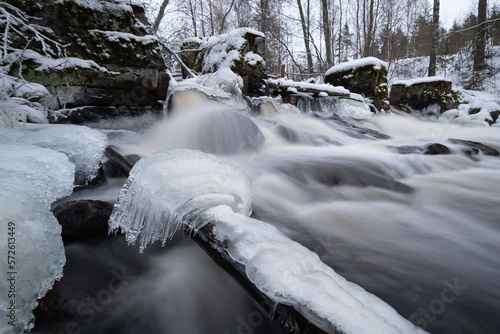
365 76
419 94
242 50
100 54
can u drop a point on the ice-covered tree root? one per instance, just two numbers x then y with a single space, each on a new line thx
286 316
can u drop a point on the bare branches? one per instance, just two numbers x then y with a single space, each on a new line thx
17 22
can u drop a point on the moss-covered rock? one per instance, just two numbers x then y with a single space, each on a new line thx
419 94
100 54
366 76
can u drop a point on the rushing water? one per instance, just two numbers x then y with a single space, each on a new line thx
422 232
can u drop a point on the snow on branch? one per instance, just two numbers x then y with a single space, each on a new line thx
16 22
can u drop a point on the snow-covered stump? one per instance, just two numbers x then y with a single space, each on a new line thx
241 50
199 193
365 76
424 93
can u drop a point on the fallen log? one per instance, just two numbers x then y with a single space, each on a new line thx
284 315
118 160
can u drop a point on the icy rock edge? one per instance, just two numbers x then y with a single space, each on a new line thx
36 169
178 187
30 179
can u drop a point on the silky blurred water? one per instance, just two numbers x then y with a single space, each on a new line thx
422 232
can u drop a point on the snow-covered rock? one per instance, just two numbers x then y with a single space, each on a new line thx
241 50
365 76
105 57
423 93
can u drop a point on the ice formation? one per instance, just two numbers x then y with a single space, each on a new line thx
178 187
31 178
167 189
83 146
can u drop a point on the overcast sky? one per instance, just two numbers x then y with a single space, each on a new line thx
451 9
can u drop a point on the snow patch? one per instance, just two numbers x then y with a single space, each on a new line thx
116 36
305 86
253 59
412 82
352 65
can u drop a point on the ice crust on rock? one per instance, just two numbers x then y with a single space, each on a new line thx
44 174
31 178
178 187
83 146
171 188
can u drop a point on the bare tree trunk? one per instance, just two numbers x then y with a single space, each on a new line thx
435 39
369 31
328 37
160 15
481 36
223 21
340 32
305 31
192 12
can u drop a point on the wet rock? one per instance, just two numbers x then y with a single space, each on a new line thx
83 219
436 148
354 130
99 179
429 149
305 137
95 274
473 148
96 114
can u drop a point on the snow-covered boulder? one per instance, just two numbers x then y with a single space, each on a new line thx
365 76
100 55
241 50
421 93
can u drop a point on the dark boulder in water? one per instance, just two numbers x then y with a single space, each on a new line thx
83 219
473 148
429 149
353 130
